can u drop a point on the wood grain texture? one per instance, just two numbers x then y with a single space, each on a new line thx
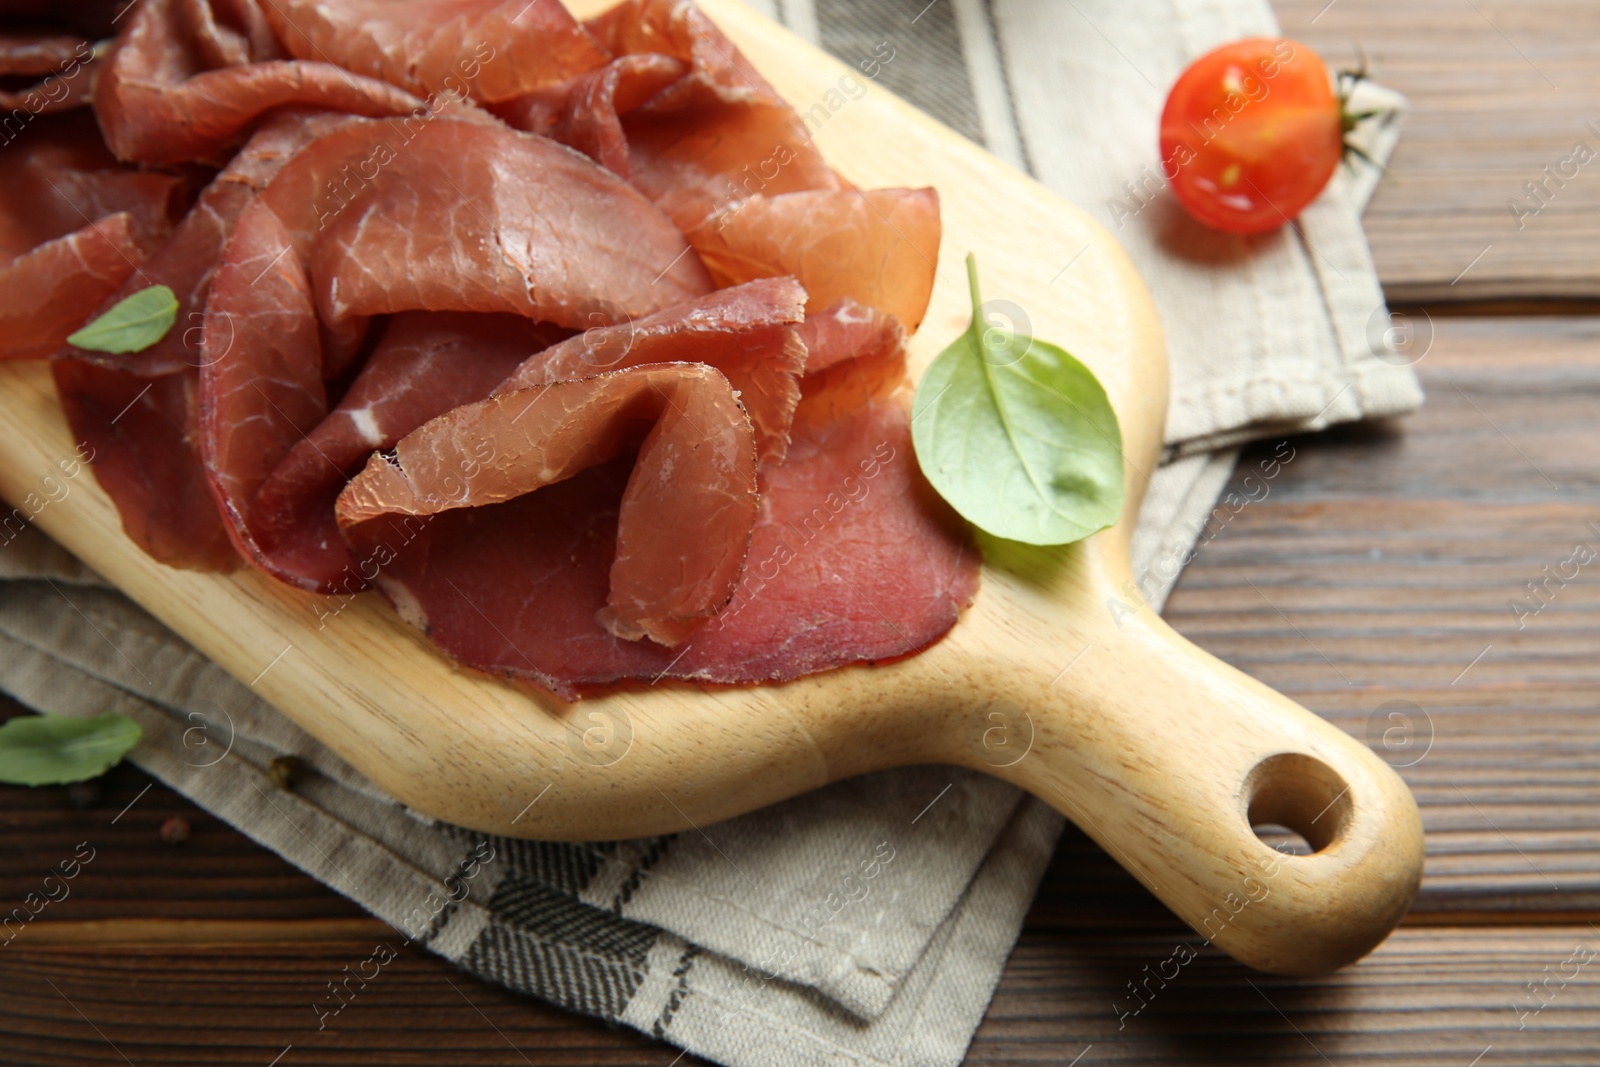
1432 997
1159 751
1499 90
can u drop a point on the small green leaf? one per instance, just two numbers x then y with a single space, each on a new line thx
1016 434
133 325
56 749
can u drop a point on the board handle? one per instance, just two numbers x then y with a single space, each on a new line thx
1167 756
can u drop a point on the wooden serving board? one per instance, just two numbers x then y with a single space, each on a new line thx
1160 752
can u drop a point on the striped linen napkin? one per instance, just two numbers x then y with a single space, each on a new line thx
868 922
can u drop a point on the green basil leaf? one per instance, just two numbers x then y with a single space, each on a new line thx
56 749
1016 434
133 325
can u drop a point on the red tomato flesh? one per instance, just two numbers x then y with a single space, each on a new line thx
1251 133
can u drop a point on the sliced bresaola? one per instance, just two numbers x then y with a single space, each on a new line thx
161 98
586 113
487 50
57 177
853 557
684 520
138 434
425 364
457 215
716 135
186 261
74 225
49 292
384 216
746 332
879 247
62 63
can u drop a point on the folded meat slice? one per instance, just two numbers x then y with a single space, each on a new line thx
186 261
486 49
162 99
458 215
715 135
74 224
586 113
263 392
853 557
139 436
387 216
425 364
683 522
57 177
746 332
62 62
879 247
49 292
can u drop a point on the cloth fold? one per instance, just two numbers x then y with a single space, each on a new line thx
868 922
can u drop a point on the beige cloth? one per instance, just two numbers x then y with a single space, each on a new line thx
866 923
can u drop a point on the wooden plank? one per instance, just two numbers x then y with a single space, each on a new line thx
1427 997
1499 90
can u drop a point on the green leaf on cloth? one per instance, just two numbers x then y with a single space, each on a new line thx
57 749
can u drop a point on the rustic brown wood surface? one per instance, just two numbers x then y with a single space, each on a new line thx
1499 91
1373 580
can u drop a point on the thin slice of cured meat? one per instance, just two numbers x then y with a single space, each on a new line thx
138 435
452 214
586 114
49 292
63 63
160 101
38 52
425 364
747 332
387 216
679 29
186 261
487 50
59 178
853 557
716 135
879 247
684 520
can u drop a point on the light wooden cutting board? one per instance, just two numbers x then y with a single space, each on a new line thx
1161 753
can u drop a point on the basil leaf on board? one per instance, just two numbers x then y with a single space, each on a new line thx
133 325
1016 434
57 749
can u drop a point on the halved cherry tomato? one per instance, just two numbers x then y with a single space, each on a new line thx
1251 133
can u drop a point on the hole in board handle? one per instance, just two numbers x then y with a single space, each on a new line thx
1291 795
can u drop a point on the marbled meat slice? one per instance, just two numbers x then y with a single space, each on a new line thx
49 292
879 246
747 332
425 364
138 434
487 50
264 391
385 216
186 261
59 177
853 557
718 134
455 215
63 63
684 520
160 99
586 113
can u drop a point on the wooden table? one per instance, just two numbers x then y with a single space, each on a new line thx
1374 580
